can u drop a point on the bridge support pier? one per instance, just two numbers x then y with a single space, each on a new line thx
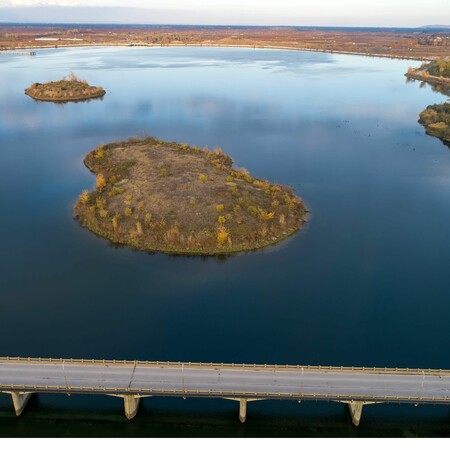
20 400
242 410
243 406
131 406
355 409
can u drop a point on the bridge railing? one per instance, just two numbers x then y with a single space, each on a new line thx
394 370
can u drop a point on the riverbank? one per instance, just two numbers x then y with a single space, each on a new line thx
173 198
439 84
385 43
249 46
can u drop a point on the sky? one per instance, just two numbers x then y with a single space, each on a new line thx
387 13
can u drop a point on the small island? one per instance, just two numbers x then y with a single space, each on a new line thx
175 198
436 120
71 90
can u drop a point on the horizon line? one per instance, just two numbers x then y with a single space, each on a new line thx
432 27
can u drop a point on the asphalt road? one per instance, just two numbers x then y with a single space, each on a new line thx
219 381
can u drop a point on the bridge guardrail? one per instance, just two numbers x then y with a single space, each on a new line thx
281 367
7 388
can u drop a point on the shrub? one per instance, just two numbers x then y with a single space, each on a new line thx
84 197
230 179
148 218
138 228
263 232
103 213
223 236
100 152
244 174
184 146
220 208
221 220
164 172
100 203
265 215
253 211
128 211
203 178
100 182
192 201
117 190
115 222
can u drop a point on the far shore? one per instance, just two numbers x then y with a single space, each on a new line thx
256 46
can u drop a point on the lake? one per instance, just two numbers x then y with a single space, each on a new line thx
364 283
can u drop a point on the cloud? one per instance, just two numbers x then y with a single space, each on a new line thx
46 3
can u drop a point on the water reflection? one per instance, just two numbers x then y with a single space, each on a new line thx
364 283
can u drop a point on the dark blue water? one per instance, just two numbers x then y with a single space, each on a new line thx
364 283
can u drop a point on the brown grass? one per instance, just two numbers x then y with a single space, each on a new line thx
190 209
64 91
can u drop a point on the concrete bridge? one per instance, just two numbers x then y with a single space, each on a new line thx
243 383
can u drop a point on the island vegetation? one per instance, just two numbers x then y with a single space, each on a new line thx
436 120
435 73
65 90
176 198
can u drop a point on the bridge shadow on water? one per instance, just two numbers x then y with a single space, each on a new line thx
85 416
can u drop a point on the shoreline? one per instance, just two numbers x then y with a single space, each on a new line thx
431 79
143 185
231 251
263 47
67 100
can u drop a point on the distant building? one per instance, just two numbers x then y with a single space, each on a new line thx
437 41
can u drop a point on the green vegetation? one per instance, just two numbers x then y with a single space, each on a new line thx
65 90
439 68
436 120
435 73
161 196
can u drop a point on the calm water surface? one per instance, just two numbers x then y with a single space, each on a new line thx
364 283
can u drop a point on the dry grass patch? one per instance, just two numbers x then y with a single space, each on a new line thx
188 209
65 90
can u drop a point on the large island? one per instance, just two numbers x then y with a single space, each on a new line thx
435 118
64 90
175 198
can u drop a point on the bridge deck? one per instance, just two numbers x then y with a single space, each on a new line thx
225 380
